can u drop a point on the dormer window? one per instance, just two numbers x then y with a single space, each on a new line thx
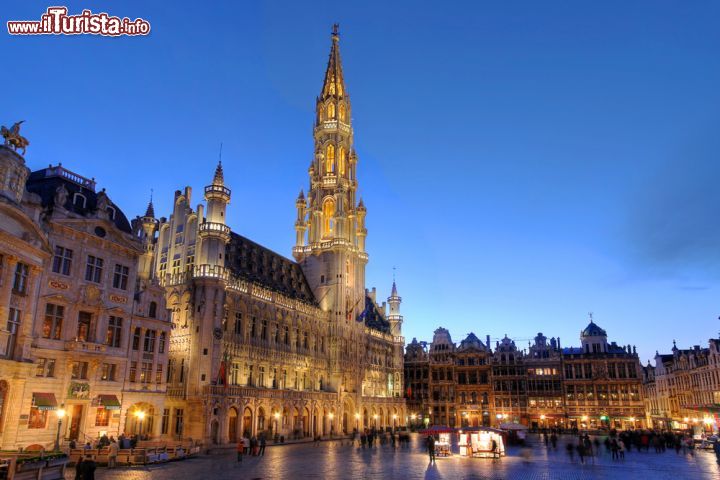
111 213
79 200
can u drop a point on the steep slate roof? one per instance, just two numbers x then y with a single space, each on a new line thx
45 184
373 318
255 263
471 341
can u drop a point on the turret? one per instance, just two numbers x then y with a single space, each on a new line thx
214 233
394 316
300 223
149 225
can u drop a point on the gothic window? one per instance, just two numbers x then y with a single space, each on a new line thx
330 111
341 160
328 217
152 311
341 112
331 85
330 159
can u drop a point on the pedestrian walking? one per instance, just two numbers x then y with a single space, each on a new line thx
621 449
571 451
240 450
88 468
431 448
78 469
262 445
112 454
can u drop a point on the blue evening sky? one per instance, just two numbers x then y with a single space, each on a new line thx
523 163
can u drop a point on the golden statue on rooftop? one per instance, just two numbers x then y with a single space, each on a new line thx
13 138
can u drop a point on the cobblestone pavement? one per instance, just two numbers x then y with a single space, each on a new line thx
330 460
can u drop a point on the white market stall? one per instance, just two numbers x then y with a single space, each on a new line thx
481 442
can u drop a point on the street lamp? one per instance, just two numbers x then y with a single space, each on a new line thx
394 421
140 415
357 421
330 416
375 417
277 417
60 414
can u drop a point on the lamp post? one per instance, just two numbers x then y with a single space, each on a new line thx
140 415
60 414
330 416
357 422
276 415
394 421
375 417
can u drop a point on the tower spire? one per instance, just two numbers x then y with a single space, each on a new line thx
334 84
150 212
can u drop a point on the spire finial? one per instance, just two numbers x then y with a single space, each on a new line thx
590 314
150 211
335 32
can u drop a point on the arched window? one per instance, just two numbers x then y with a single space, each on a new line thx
330 159
341 160
328 217
331 111
341 112
152 311
79 200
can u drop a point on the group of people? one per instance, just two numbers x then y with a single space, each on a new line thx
254 446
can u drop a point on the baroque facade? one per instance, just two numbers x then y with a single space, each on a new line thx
683 387
595 385
85 334
262 343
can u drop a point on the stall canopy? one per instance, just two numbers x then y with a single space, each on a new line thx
436 429
44 401
109 402
480 429
512 426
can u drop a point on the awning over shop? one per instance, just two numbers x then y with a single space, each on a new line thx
44 401
109 402
705 407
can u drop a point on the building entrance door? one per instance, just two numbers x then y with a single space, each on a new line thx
75 419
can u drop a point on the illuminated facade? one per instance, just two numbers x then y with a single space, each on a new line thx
683 388
261 343
84 330
596 385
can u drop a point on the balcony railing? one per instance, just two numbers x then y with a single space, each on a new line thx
217 189
213 228
89 347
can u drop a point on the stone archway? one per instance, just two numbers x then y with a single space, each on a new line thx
306 422
215 432
260 420
139 419
232 425
247 424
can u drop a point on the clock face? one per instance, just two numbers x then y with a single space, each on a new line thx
217 333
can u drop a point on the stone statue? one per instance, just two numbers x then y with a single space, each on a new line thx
102 201
61 195
13 138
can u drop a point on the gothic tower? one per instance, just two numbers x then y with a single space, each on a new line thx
394 316
330 227
214 233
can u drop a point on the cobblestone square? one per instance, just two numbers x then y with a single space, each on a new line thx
333 460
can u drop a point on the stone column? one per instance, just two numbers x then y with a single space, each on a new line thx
25 334
6 287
